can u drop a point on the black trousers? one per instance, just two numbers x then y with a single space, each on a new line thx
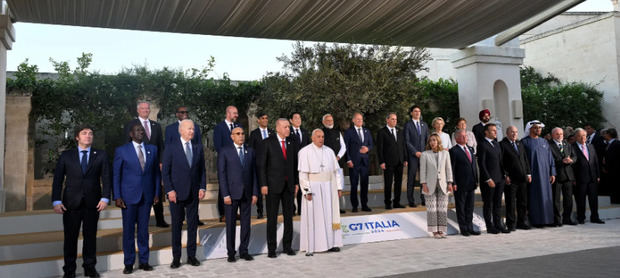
562 201
259 204
245 205
591 190
273 203
184 210
492 207
464 201
394 173
72 219
298 202
515 197
412 169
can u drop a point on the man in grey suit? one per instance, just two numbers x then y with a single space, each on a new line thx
416 135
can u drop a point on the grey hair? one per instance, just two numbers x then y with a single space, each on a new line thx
390 114
460 131
325 116
509 127
281 120
142 101
556 128
316 130
579 130
183 121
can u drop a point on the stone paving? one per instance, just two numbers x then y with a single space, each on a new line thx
407 256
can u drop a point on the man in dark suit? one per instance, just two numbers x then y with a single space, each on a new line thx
564 157
465 173
279 181
478 129
518 176
185 181
302 137
154 136
82 171
416 135
612 163
237 176
221 138
492 180
392 155
359 143
172 134
587 175
136 179
257 136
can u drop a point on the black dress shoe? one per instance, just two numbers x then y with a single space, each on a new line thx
334 249
492 231
388 207
272 254
397 206
465 233
366 209
200 223
145 267
523 227
246 257
503 230
193 261
162 225
539 226
231 259
176 263
474 233
342 211
259 216
290 252
597 221
413 205
91 272
69 275
354 210
128 269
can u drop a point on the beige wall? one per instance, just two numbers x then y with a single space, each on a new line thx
16 153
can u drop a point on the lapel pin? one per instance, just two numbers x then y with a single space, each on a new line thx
148 152
94 152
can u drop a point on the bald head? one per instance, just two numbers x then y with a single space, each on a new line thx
231 113
512 133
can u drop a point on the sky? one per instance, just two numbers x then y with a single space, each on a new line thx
113 49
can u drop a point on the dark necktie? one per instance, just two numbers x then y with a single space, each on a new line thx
514 145
231 127
188 153
393 134
417 126
241 156
84 162
359 134
298 135
561 146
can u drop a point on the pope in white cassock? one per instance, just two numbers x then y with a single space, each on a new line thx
321 187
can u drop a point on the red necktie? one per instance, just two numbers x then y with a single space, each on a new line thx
147 129
284 148
467 153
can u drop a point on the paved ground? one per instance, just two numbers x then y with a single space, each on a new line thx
520 254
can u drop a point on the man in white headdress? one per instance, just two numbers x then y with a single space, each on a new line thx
321 187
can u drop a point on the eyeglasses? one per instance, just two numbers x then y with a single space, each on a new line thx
182 112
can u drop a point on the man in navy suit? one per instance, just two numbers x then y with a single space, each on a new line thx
236 173
359 142
221 138
136 177
465 174
185 181
82 171
416 135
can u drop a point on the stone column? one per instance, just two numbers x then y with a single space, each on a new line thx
16 139
489 78
7 37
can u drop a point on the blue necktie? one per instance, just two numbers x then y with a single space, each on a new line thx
417 125
264 133
241 156
188 153
84 162
514 144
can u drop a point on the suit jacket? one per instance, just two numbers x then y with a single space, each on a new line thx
516 164
273 168
391 151
256 138
564 172
490 160
416 142
221 135
131 183
156 139
465 172
172 133
80 187
237 180
435 173
478 130
305 137
612 159
178 175
586 171
353 143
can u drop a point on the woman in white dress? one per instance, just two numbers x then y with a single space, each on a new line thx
438 124
436 180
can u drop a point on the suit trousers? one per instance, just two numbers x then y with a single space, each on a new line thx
273 203
591 190
259 204
464 201
72 219
159 207
245 205
359 173
184 210
562 201
136 214
411 174
515 197
394 173
492 198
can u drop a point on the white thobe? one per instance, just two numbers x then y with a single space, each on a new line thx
319 175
